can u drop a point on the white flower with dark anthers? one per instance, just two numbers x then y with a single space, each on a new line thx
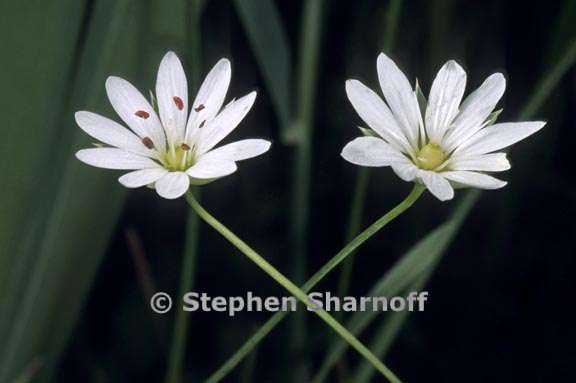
450 144
176 149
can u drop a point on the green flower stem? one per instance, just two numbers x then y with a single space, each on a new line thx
314 280
288 285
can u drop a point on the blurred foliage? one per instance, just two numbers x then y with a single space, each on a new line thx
50 282
261 20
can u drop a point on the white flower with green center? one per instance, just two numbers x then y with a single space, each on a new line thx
176 149
449 144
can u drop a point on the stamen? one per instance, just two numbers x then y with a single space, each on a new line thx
185 147
178 101
142 114
148 142
184 157
199 107
202 124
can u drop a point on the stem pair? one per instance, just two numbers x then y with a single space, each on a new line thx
300 293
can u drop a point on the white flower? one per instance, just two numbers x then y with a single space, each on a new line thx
450 144
174 150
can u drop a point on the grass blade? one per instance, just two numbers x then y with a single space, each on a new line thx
75 235
263 26
388 333
35 80
549 81
309 53
249 367
421 258
390 330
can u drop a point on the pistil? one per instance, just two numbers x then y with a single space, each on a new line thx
430 157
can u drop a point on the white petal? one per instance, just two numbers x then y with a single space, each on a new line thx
210 169
473 179
210 97
444 99
225 122
111 133
437 185
135 110
400 97
494 162
376 114
239 150
172 96
407 171
112 158
172 185
371 151
475 110
498 136
142 177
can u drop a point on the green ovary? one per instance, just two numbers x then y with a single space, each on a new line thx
430 157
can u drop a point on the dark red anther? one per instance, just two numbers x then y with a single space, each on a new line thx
202 124
142 114
179 103
199 107
148 142
185 147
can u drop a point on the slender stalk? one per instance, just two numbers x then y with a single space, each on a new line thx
177 354
349 249
288 285
301 173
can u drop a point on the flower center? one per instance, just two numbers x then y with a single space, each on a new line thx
430 157
179 158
